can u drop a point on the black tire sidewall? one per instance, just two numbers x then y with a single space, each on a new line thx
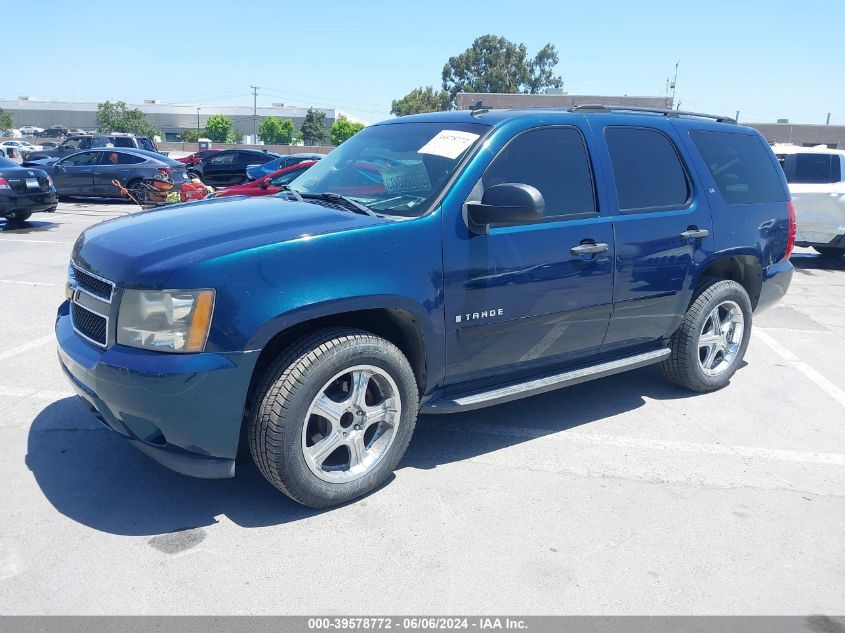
291 466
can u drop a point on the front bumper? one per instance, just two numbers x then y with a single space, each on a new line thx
183 410
776 280
27 202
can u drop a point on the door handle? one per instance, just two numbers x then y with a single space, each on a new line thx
694 233
590 248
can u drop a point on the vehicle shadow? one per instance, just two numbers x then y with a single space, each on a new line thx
27 226
807 262
93 476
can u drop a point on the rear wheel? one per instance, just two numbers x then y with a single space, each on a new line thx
333 417
711 341
830 251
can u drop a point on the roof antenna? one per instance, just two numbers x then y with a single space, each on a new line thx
478 108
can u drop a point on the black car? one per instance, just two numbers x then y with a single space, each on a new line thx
73 144
229 166
23 191
90 173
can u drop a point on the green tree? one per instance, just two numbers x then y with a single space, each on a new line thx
6 120
421 100
219 128
192 136
313 128
495 64
117 117
276 131
343 129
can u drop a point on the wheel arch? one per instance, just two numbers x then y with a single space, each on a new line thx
744 269
401 325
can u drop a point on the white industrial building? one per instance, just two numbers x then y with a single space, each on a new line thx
171 119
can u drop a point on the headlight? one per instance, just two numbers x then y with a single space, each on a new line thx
169 321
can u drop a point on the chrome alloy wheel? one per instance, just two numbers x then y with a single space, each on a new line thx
351 424
720 338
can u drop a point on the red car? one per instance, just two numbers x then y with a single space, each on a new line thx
197 157
270 184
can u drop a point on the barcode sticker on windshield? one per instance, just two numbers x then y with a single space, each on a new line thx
449 143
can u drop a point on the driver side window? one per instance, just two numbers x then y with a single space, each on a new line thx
81 159
554 160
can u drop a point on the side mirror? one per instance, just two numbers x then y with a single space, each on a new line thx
505 203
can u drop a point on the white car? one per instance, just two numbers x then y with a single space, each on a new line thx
816 177
23 146
31 130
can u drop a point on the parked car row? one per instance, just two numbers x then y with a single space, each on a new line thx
79 142
90 173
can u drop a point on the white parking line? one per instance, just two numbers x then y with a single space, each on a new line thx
828 387
12 392
25 347
19 282
19 240
594 439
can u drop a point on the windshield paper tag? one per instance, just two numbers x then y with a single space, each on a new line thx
449 143
406 177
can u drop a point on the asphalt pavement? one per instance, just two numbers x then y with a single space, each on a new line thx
625 495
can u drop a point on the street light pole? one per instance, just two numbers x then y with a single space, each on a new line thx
254 114
198 119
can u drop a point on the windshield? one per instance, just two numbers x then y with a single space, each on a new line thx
398 169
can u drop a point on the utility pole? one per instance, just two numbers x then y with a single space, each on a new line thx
736 118
198 119
254 114
828 119
673 83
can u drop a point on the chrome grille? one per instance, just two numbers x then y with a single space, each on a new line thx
90 304
92 326
90 283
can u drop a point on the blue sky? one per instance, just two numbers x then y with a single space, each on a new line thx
767 58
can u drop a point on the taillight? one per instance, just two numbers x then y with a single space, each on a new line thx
4 184
790 240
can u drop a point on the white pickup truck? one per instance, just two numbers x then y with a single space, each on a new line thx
816 177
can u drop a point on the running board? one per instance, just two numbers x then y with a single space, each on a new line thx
479 399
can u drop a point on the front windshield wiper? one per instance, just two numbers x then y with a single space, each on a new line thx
292 192
352 205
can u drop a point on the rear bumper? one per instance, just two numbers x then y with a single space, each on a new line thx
776 280
183 410
27 202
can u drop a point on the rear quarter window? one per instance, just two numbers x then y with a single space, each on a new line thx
741 166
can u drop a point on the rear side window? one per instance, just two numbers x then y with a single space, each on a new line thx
812 168
646 168
122 141
741 166
554 161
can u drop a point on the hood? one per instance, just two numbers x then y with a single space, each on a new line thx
143 248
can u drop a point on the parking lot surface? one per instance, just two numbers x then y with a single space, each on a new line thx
625 495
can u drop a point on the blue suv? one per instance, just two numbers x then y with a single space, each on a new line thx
436 263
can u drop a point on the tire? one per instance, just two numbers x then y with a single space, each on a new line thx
17 218
830 251
690 364
317 373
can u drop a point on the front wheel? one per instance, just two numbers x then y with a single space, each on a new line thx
333 416
17 218
710 343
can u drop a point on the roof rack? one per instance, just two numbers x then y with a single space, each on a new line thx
638 110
